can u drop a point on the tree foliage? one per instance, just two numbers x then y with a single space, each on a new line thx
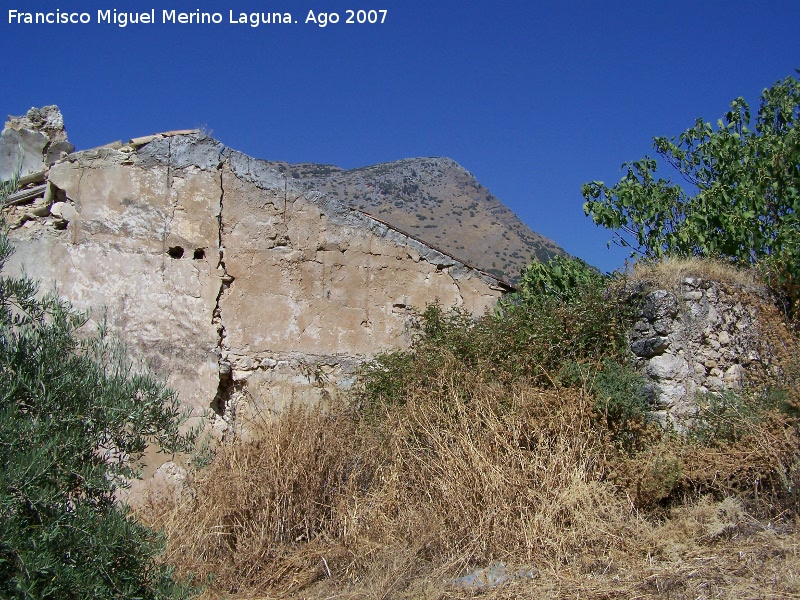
75 419
740 194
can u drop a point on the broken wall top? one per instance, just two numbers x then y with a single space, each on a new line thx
31 143
193 148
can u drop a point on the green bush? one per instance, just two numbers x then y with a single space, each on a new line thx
729 415
621 393
439 335
564 278
75 419
551 322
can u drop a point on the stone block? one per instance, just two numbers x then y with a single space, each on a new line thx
649 347
660 304
669 394
39 208
667 366
733 375
56 151
663 326
56 209
68 212
21 152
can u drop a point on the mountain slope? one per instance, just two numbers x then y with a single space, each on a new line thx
437 201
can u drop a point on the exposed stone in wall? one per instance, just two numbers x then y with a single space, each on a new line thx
28 146
31 143
249 292
700 337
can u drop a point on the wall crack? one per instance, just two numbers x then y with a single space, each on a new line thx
168 220
222 401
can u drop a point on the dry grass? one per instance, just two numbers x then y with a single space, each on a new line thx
462 473
440 485
322 505
669 272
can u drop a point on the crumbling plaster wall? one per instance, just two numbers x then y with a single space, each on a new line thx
113 255
246 291
339 284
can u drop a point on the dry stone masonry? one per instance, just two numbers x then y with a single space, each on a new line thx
695 339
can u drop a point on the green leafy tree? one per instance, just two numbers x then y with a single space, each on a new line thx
75 419
740 194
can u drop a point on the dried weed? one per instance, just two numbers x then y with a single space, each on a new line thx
473 470
321 504
669 273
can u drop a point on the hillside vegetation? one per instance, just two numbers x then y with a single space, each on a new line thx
513 449
513 455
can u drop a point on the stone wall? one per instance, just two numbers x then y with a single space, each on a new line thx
697 338
248 292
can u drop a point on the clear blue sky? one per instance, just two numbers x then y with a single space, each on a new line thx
533 98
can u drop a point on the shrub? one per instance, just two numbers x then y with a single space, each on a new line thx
619 393
564 313
563 278
75 419
727 416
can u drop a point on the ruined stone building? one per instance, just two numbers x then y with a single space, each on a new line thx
244 289
250 288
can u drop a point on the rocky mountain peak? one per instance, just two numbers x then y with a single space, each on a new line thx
438 201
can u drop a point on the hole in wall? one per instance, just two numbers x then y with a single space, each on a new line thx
199 254
224 389
175 252
218 405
